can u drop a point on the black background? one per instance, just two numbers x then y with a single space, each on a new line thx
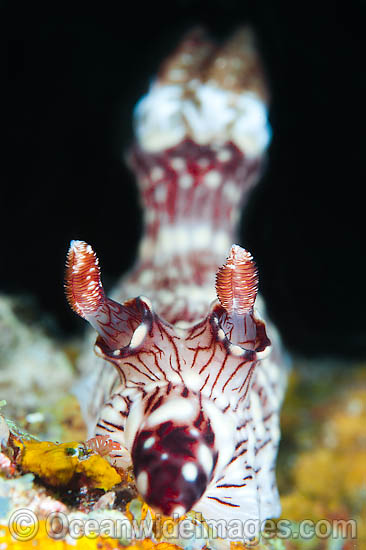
74 77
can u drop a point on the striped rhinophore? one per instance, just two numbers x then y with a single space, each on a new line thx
188 378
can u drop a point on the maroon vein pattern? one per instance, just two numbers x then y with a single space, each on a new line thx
189 389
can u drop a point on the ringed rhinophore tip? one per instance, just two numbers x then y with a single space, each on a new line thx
83 286
236 288
114 322
237 282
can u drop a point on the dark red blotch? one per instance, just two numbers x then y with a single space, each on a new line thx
174 447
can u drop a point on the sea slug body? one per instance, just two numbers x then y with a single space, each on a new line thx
189 378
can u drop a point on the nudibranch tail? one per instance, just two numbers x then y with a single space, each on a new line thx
237 287
84 292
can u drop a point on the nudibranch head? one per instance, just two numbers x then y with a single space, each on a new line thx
182 389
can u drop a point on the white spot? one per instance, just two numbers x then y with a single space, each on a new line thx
146 277
212 179
261 355
190 471
231 191
192 380
202 236
149 442
184 325
224 155
222 241
138 336
117 352
194 432
160 193
221 334
164 456
177 409
177 74
142 483
185 181
178 163
156 173
165 296
205 458
34 417
236 350
182 239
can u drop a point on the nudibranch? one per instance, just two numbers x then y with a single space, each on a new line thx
189 378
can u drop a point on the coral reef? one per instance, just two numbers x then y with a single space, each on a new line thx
59 489
29 358
321 473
